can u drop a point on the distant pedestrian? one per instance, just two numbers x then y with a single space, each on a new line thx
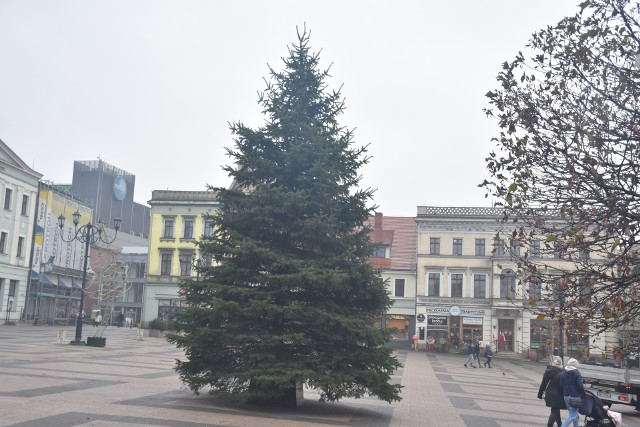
415 341
572 388
488 353
120 320
550 387
472 355
98 320
476 352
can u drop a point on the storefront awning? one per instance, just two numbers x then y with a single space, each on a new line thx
77 283
47 279
65 282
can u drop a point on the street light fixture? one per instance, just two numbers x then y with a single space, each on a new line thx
87 234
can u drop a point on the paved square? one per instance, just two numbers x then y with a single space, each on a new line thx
132 383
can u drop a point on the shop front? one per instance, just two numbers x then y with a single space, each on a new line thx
449 326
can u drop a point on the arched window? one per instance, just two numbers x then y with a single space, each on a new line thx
508 284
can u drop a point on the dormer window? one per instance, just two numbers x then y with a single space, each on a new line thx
380 251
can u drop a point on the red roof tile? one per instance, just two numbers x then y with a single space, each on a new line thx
399 233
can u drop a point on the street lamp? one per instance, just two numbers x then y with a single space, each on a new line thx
87 234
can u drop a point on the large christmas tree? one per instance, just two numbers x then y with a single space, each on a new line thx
291 298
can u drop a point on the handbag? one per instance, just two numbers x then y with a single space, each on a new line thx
575 402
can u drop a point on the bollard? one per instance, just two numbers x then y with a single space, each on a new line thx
62 337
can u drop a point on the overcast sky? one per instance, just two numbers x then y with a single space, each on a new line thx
151 86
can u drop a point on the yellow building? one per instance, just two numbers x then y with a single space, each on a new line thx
178 221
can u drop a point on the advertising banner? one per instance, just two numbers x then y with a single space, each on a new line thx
49 247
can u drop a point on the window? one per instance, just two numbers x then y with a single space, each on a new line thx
434 246
399 288
20 251
433 284
583 253
479 286
508 284
584 289
559 250
535 289
480 247
13 284
498 247
535 249
165 264
457 246
205 260
456 284
7 198
186 263
137 270
515 248
3 242
380 251
188 228
208 228
168 228
25 205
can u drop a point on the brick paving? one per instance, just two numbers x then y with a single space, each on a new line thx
131 383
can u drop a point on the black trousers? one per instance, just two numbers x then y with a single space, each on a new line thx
554 417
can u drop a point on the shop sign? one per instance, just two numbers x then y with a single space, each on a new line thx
455 310
472 320
420 317
437 320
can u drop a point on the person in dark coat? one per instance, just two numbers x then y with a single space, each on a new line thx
488 353
572 387
472 355
476 352
550 387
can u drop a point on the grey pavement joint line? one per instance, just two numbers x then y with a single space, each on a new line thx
71 419
44 391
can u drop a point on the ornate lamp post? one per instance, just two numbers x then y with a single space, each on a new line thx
87 234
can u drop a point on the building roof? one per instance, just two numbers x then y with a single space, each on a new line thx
399 234
135 249
183 197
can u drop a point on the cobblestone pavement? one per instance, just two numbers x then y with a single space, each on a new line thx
131 383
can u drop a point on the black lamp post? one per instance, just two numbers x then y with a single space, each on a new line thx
87 234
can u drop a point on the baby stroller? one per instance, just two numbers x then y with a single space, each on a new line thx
595 414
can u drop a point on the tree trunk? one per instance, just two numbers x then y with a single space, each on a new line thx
290 398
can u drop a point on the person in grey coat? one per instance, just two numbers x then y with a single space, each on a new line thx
550 387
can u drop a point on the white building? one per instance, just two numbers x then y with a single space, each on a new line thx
19 190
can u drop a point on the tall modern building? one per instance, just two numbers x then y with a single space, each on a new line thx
19 191
109 191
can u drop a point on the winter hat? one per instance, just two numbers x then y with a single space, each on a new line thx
573 363
557 362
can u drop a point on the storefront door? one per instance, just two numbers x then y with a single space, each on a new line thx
505 334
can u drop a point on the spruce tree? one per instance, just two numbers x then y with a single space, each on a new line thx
291 297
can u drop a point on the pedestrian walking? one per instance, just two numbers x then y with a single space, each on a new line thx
472 355
488 353
120 320
572 388
415 341
476 352
553 394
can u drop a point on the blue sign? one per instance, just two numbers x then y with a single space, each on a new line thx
120 188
